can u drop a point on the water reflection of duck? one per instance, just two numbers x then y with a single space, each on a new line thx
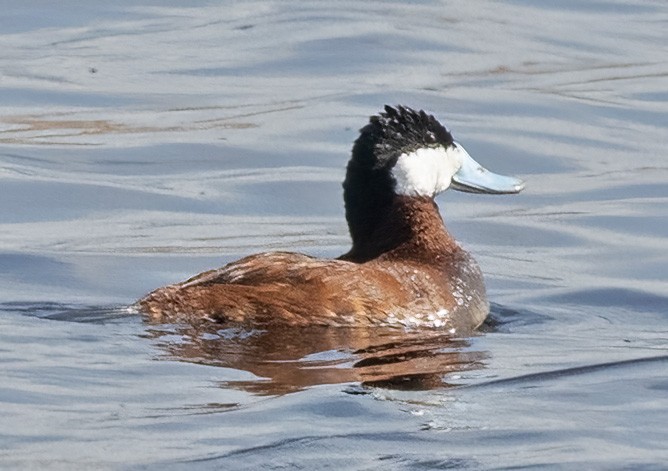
404 268
287 359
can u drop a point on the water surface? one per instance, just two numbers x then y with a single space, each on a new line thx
142 142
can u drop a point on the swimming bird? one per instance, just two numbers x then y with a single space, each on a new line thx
404 268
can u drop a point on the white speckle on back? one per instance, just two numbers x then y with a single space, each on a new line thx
426 171
436 319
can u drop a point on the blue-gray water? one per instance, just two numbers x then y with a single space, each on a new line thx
142 142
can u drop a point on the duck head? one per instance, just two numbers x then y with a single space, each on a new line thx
402 152
419 157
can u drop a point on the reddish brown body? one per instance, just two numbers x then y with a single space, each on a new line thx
414 274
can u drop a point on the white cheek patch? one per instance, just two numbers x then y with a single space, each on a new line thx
427 171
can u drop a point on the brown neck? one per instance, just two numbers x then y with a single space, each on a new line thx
408 228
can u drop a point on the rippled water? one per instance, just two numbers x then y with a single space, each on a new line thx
142 142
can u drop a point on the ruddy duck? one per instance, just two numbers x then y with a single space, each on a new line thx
403 269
